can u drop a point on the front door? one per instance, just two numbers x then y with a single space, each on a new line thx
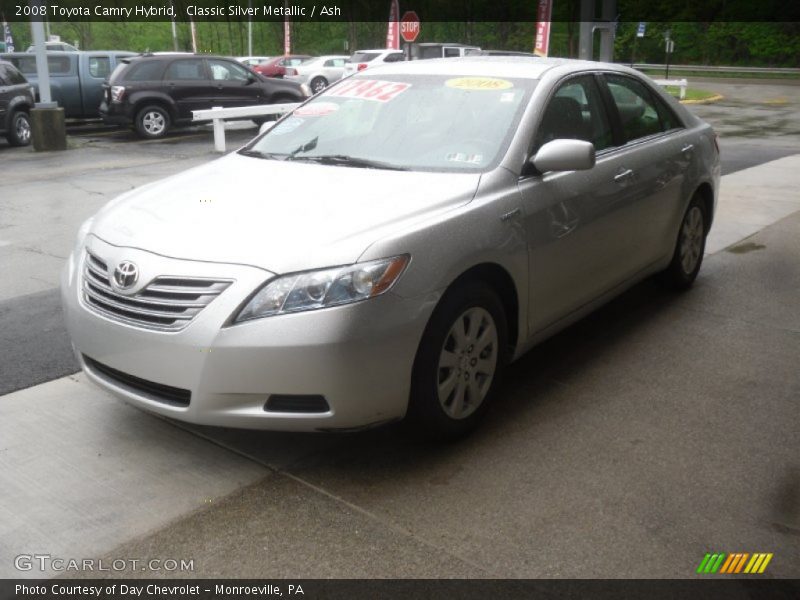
232 84
581 225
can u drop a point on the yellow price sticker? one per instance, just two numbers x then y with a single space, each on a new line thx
479 83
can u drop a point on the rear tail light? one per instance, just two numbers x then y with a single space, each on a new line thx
362 66
117 92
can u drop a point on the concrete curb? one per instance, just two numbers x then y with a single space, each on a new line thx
712 99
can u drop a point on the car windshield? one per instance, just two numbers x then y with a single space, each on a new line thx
419 122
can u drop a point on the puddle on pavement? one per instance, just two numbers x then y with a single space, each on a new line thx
745 248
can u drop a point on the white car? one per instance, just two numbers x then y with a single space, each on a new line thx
318 72
364 59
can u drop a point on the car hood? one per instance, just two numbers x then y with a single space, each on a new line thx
276 215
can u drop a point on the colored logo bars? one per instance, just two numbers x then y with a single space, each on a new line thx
721 562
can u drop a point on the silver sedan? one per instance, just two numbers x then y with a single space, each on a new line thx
423 225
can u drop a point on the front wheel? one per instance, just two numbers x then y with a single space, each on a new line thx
318 84
459 362
19 133
152 122
689 247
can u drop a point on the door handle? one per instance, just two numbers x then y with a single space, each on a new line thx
687 148
623 175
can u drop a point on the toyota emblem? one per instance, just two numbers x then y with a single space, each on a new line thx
126 274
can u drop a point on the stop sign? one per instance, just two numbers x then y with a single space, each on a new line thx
409 26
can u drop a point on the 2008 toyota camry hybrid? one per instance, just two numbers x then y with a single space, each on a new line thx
386 248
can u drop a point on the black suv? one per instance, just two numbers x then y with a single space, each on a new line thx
155 92
16 101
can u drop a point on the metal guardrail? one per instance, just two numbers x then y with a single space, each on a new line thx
218 115
679 83
714 69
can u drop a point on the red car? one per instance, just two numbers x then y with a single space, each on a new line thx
276 67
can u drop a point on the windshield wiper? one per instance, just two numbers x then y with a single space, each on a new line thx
259 154
348 161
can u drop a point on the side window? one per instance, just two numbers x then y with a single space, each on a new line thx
451 52
58 65
396 57
144 71
223 70
185 70
576 112
4 80
99 66
329 63
636 107
14 77
668 118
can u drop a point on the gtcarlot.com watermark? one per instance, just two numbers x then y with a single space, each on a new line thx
47 562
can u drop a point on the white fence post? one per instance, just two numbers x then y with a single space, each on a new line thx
218 115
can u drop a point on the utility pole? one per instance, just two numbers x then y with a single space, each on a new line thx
48 129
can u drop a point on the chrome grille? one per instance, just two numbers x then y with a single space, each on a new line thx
167 303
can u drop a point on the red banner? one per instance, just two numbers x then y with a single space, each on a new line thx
393 33
544 9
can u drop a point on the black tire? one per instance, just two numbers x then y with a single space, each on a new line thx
19 131
318 84
470 304
690 245
152 122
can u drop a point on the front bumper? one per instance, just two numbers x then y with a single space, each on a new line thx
359 357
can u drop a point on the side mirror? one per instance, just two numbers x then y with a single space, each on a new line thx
266 127
564 155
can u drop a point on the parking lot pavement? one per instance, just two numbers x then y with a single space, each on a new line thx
660 428
657 429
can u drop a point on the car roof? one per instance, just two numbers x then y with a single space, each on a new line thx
378 50
522 67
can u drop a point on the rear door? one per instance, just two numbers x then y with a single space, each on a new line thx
95 70
655 156
189 85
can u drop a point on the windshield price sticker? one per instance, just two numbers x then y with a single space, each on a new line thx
369 89
317 109
479 83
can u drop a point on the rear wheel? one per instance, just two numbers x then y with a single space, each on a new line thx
318 84
152 122
19 134
689 247
459 362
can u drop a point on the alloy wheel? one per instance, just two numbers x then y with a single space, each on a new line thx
467 363
154 122
691 244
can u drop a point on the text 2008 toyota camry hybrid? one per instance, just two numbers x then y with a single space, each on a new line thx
385 249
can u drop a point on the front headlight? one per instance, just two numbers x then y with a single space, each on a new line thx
83 232
310 290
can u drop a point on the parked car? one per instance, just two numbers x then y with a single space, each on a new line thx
318 72
420 230
54 47
363 59
154 93
253 61
503 53
276 67
442 50
76 78
16 101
